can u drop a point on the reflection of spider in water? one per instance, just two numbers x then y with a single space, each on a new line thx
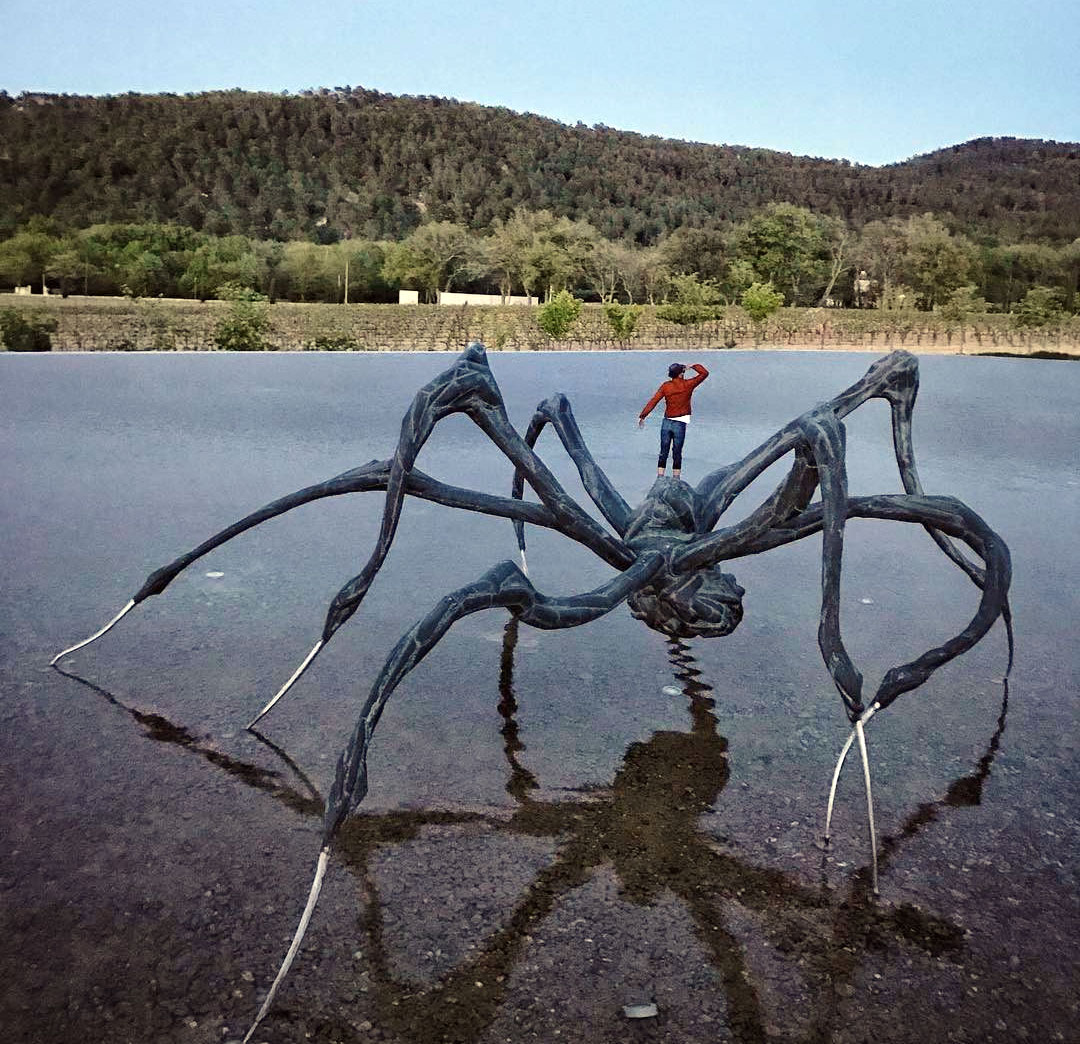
645 826
667 550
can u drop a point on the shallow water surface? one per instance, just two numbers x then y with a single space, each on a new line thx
559 824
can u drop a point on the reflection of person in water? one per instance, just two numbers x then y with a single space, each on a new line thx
676 392
664 785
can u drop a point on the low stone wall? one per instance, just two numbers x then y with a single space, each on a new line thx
119 324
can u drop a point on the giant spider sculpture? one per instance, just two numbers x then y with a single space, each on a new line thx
667 551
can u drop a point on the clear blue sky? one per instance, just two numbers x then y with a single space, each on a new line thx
875 82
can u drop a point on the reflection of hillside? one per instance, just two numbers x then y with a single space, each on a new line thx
645 828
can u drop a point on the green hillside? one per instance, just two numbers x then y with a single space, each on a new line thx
348 161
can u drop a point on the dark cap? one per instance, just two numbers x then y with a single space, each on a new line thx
675 369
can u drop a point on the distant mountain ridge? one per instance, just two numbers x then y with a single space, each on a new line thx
350 161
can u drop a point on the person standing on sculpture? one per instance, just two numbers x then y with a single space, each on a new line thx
676 392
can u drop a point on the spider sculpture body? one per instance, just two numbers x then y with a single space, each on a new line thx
667 552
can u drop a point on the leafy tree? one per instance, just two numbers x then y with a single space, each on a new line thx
561 251
538 251
760 300
880 252
304 272
641 272
740 276
26 255
1010 270
143 272
787 246
271 256
67 266
935 262
1041 306
899 298
837 240
507 253
219 261
705 251
432 256
602 268
559 314
365 263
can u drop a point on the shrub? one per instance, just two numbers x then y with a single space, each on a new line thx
20 334
559 314
696 301
963 302
623 320
760 300
243 328
688 314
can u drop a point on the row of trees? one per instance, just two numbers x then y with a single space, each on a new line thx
806 258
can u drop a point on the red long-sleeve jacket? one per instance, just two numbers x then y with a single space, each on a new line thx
676 394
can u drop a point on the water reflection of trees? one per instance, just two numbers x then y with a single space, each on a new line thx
645 827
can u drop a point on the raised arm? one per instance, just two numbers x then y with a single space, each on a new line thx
702 373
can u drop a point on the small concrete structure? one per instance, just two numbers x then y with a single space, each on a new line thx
448 298
24 291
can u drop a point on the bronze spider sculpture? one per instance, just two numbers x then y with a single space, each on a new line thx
667 551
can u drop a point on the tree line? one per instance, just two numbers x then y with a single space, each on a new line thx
803 258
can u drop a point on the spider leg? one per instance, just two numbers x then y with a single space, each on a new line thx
556 411
469 387
374 475
789 498
503 586
900 391
894 378
826 436
948 516
466 387
856 733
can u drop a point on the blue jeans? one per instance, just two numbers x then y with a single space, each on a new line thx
672 435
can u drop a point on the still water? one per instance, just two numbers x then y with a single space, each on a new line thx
559 823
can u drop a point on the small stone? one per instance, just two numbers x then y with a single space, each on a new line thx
640 1011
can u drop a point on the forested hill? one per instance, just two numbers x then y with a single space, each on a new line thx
325 163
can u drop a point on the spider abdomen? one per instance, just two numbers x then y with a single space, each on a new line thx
703 604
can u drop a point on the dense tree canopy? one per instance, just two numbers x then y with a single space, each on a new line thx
326 165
